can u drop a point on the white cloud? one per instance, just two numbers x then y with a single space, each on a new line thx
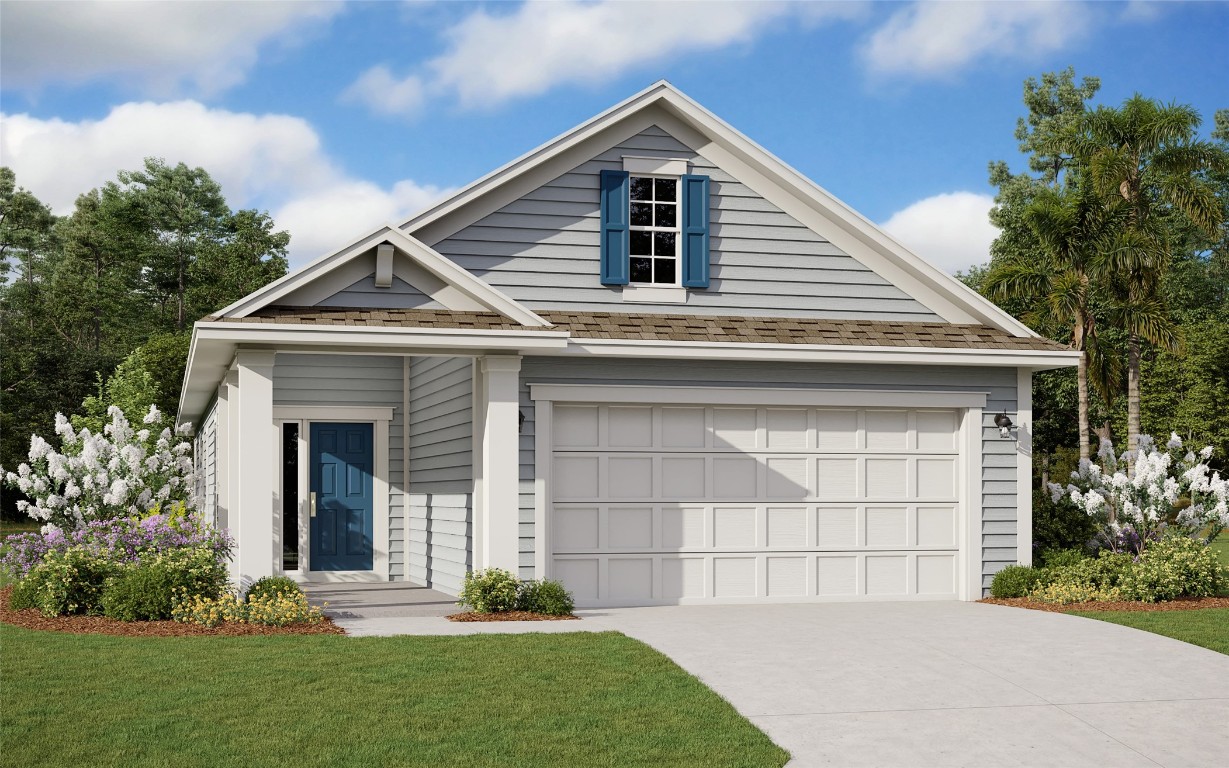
937 38
272 162
160 45
951 230
495 57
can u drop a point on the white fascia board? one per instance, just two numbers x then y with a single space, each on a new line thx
796 396
435 263
276 334
829 353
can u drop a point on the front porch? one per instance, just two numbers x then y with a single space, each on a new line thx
397 599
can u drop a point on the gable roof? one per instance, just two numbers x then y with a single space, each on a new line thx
710 136
466 288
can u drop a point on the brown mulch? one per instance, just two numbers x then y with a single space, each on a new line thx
30 618
1181 604
508 616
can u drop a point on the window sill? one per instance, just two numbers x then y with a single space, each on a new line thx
655 294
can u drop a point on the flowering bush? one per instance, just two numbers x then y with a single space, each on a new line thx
124 471
1174 567
1097 578
66 581
272 585
1162 489
277 609
491 591
145 591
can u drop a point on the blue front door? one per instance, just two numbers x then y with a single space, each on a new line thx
341 462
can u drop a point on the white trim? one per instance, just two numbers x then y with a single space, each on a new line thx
1024 466
717 141
349 335
659 395
500 521
426 257
654 293
543 445
384 266
379 418
843 353
658 166
971 503
405 468
478 430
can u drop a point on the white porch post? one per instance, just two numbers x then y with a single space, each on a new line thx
253 448
499 503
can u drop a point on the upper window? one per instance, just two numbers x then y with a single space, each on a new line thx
654 230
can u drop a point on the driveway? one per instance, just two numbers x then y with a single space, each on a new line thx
949 684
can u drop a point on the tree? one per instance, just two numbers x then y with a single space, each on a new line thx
152 374
1144 158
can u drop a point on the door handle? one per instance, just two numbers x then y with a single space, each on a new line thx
312 496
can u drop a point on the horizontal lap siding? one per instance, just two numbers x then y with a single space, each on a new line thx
999 455
364 293
441 476
354 380
207 468
543 250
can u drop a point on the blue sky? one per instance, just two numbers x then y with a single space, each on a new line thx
338 117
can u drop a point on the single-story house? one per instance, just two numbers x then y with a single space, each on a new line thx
647 359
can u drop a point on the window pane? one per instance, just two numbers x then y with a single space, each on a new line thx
642 243
642 270
642 214
642 188
290 496
663 243
665 270
665 189
665 214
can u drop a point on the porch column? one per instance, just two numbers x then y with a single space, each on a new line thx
254 450
499 505
228 401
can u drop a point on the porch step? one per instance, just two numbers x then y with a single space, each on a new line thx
365 601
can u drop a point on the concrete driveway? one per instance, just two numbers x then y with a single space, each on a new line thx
949 684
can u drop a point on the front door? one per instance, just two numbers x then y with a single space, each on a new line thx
341 485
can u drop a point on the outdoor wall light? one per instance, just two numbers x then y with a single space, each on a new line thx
1004 424
520 422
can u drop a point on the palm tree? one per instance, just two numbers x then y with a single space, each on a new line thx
1144 158
1073 228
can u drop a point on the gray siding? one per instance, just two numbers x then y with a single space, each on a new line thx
998 455
206 450
355 380
543 250
364 293
441 477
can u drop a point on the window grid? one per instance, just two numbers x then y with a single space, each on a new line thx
654 230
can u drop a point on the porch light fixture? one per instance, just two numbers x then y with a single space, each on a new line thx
1004 424
520 423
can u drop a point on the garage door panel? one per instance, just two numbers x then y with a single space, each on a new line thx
728 503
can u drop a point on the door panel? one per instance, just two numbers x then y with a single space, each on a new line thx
341 477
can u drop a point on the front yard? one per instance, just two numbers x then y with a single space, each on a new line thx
516 700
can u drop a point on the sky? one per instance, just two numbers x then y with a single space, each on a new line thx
338 117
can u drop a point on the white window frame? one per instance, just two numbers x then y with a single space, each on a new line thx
379 418
677 230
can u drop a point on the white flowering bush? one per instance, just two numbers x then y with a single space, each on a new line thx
122 472
1136 498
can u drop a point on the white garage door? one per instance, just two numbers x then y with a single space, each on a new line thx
677 504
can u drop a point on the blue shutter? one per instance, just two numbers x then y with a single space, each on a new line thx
616 218
695 231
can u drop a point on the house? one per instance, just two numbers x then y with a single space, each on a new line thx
647 359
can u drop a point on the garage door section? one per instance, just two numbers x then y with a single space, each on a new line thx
681 504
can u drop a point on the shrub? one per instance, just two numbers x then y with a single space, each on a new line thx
1015 581
491 591
278 609
548 597
68 582
146 590
1088 579
269 586
22 596
1060 558
1059 526
1176 566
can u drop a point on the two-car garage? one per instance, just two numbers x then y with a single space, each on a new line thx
704 496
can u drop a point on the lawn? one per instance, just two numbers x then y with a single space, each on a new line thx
1208 627
9 527
593 699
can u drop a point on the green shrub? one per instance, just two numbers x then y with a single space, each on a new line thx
1059 558
548 597
146 591
22 596
1097 578
275 609
1015 581
268 586
491 591
70 581
1059 526
1176 566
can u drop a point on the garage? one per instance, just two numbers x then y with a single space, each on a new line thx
691 502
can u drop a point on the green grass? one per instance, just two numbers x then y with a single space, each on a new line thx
1208 627
598 699
9 527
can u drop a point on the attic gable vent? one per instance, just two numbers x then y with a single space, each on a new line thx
384 265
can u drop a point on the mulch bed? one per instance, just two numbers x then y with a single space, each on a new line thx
508 616
1181 604
100 625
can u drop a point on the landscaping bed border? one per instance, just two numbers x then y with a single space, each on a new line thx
1179 604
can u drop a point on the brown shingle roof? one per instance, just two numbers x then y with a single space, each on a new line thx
685 328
